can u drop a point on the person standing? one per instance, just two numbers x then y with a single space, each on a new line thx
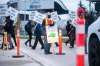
71 32
9 28
47 22
38 33
72 36
68 28
28 29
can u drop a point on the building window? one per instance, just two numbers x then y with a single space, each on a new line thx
24 17
27 17
21 16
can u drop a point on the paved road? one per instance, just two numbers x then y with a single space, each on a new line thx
69 59
38 58
7 60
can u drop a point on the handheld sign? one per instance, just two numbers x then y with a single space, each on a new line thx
52 34
39 17
12 13
55 16
36 16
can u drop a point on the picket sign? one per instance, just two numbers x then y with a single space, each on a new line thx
55 16
13 13
36 16
52 34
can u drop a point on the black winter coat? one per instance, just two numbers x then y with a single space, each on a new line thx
28 28
9 26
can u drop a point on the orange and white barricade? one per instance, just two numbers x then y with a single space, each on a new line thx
80 41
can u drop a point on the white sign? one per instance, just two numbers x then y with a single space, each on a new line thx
32 15
3 9
12 13
39 17
25 12
36 16
55 16
52 34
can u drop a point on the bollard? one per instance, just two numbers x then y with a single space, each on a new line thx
18 42
80 41
5 41
18 46
60 44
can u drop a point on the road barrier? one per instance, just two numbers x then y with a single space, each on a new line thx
18 45
60 41
80 41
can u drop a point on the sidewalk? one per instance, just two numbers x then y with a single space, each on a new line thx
69 59
7 60
38 58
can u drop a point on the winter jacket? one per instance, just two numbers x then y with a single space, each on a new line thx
38 30
28 27
9 26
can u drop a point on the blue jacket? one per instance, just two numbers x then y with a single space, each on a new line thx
38 30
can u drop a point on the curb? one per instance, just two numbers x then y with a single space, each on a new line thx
42 61
32 58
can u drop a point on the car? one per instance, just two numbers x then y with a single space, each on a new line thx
93 38
93 41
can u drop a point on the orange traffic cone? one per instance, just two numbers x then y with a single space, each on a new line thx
18 45
80 42
60 44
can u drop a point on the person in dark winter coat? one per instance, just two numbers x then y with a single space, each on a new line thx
28 29
38 33
71 33
9 28
68 27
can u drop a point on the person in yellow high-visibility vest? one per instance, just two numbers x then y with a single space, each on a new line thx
47 22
